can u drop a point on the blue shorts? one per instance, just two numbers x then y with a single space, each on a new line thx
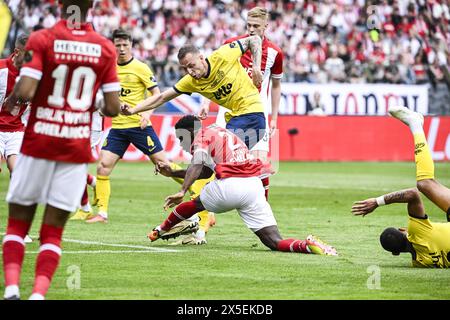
145 140
250 127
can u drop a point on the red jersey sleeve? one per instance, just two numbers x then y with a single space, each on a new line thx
35 50
110 81
277 68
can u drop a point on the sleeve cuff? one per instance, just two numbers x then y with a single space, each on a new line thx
30 72
240 46
111 87
181 92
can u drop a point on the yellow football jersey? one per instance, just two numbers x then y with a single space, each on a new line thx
135 79
431 241
227 83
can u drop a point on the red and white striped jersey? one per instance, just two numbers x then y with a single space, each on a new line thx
71 65
8 76
225 153
271 66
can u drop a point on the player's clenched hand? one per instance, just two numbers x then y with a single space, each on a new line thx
174 200
143 122
11 106
163 168
126 110
361 208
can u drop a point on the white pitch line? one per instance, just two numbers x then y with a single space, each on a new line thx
102 251
119 245
145 249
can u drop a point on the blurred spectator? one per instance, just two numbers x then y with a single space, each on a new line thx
317 107
403 50
335 67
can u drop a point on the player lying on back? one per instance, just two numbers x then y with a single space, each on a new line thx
427 242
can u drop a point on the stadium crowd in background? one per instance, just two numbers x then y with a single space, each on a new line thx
323 41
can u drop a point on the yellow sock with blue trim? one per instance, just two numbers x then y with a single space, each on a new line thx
103 190
422 156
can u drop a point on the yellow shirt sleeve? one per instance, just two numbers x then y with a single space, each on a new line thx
147 77
231 51
185 85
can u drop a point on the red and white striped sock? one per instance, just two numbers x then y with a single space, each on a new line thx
293 245
14 252
181 212
48 258
85 198
91 180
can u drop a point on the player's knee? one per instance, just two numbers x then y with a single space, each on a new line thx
103 169
425 185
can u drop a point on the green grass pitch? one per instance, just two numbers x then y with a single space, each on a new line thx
116 261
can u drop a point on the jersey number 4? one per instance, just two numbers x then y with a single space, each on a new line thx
81 90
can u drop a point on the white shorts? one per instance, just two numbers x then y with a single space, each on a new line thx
10 143
246 195
59 184
262 145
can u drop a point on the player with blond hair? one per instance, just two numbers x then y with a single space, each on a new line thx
270 88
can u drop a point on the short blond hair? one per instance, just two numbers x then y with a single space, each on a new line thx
259 12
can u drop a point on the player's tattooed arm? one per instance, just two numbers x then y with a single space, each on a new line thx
254 43
410 196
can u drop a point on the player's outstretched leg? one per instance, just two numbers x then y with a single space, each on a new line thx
426 183
271 238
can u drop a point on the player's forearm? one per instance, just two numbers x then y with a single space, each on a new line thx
401 196
192 174
25 89
276 97
256 50
254 43
150 103
179 174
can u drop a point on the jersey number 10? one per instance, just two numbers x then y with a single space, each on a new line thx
79 98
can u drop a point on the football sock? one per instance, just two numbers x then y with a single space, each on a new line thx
13 253
265 182
203 224
48 258
87 207
422 155
293 245
103 189
85 197
181 212
91 180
